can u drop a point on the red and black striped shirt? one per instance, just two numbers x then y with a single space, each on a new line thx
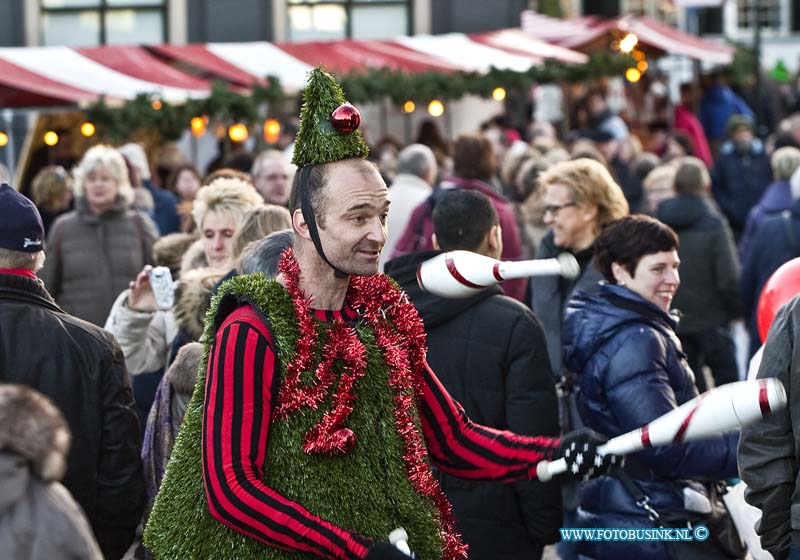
240 385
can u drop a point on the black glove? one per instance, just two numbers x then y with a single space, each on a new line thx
386 551
579 450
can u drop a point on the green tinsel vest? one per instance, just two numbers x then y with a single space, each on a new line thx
365 491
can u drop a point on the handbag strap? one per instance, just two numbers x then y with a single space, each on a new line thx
642 500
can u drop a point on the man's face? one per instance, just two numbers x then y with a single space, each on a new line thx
273 182
355 207
573 224
742 137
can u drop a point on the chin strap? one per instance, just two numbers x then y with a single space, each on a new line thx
311 221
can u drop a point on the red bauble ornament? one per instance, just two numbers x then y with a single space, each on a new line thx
345 118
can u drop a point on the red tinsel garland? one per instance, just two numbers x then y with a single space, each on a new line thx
400 335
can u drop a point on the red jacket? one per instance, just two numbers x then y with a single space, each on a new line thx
687 122
417 235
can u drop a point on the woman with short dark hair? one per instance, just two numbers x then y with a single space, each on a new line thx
631 369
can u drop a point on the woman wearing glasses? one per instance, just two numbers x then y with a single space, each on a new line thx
580 198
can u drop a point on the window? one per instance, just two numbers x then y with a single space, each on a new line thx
313 20
769 14
709 21
84 23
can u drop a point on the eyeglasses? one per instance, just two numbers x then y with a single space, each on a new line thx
554 209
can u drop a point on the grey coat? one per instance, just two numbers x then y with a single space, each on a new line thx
550 295
769 450
40 520
91 259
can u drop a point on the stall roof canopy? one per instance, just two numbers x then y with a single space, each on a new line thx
587 33
52 76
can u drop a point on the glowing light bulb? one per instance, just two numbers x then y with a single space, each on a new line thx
633 75
50 138
88 129
499 93
3 139
409 107
436 108
238 132
198 125
628 42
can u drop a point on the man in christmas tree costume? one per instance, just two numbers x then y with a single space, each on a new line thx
315 414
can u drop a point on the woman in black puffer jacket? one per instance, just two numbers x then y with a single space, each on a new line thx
622 343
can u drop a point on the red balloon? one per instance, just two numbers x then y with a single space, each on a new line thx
782 286
345 118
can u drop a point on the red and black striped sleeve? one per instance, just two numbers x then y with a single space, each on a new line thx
461 448
236 419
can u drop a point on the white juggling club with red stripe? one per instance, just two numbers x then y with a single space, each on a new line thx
719 410
460 274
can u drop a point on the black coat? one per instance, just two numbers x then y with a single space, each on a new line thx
709 293
490 353
80 367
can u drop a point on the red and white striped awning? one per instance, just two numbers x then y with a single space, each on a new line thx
584 33
42 76
84 75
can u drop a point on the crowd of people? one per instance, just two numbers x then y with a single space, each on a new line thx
292 388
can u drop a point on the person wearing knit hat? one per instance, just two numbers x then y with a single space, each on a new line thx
80 367
315 415
742 173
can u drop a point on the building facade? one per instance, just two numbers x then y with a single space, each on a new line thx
86 23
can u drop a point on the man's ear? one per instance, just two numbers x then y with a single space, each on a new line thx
435 242
299 224
493 242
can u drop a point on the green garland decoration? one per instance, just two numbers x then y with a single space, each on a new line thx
317 140
181 526
118 124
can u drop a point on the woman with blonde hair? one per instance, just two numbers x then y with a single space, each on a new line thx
259 223
658 186
93 251
145 331
51 191
580 198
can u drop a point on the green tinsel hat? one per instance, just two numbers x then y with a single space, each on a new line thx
328 124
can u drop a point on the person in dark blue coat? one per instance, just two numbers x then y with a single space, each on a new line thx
776 241
777 197
741 174
632 370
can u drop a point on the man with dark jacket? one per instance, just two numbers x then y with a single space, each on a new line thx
768 449
708 297
491 355
741 174
80 367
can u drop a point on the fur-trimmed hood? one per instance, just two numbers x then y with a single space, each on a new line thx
170 249
193 258
192 297
32 428
183 372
